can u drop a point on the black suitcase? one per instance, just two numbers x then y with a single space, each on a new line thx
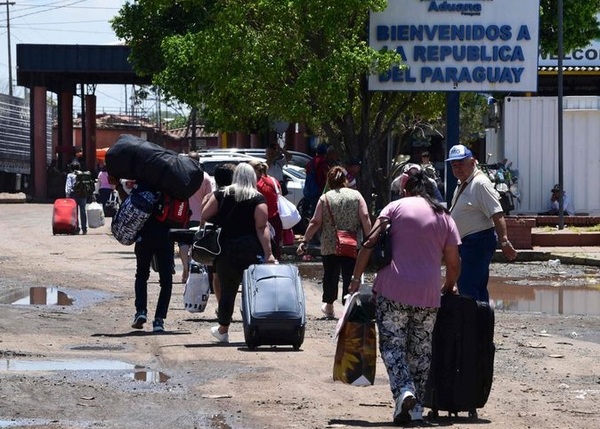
273 306
462 364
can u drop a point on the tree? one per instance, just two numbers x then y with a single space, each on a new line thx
580 24
246 63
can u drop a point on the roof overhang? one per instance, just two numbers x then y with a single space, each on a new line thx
62 67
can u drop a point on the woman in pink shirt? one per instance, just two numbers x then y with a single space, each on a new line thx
407 290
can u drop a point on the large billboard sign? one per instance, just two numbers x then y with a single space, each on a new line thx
458 45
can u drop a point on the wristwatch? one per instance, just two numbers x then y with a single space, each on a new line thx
354 279
505 243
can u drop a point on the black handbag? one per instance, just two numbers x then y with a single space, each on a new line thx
207 244
382 250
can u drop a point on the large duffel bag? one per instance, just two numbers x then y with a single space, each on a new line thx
462 364
134 158
273 307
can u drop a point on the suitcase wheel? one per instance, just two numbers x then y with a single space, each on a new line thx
296 346
473 414
433 415
249 335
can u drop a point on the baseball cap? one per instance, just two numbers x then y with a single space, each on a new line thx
459 152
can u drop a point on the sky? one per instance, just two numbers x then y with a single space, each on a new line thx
84 22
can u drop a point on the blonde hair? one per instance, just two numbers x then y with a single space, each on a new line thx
259 167
243 185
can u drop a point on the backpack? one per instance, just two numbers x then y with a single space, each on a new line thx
172 211
84 184
311 190
132 215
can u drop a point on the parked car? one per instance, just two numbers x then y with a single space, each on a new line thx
293 175
298 158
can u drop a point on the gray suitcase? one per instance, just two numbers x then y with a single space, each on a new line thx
273 306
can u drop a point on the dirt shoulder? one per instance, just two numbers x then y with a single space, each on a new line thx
544 378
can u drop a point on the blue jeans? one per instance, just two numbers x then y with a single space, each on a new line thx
476 253
154 240
81 202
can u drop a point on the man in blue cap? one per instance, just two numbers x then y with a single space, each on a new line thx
478 214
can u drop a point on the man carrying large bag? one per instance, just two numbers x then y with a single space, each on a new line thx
164 170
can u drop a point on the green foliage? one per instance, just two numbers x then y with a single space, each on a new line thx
580 24
244 63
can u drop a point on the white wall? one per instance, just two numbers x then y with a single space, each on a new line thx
531 142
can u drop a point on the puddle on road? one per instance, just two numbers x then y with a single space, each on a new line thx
22 423
148 376
139 373
38 296
64 365
14 294
545 298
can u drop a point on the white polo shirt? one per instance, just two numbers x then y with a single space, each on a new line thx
473 209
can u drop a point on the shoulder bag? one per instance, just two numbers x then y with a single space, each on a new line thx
382 249
288 213
207 242
345 241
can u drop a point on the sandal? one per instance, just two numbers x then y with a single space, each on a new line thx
328 314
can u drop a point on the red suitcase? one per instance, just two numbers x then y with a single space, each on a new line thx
64 217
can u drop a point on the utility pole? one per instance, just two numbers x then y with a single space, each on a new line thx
10 88
561 213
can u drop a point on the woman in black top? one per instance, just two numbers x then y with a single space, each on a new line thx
241 211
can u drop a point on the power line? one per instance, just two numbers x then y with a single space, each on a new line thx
60 23
54 6
64 30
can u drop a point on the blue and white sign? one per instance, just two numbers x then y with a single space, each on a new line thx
458 45
582 57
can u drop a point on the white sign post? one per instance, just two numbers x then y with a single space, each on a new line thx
458 45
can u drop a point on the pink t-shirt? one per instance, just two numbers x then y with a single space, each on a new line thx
196 199
103 180
418 236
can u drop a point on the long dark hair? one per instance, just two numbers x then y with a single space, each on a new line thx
418 184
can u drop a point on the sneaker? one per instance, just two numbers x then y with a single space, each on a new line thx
158 325
223 338
404 404
139 319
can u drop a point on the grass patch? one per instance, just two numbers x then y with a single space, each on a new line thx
590 228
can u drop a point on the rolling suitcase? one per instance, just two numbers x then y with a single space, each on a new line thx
64 217
462 364
273 307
